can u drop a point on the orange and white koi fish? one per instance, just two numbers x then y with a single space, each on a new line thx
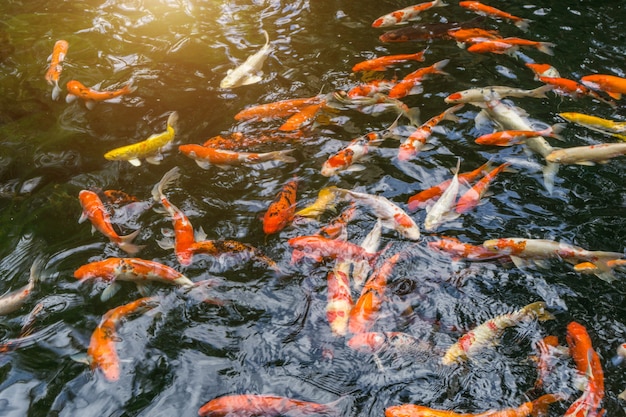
442 210
494 46
304 116
548 349
587 155
411 84
262 405
101 351
320 248
281 211
277 109
404 15
230 247
205 156
543 70
326 198
339 298
383 62
464 35
477 95
567 87
13 300
423 198
610 84
375 342
337 228
95 212
416 140
460 250
391 216
537 407
54 70
357 149
139 271
471 197
515 137
487 333
483 9
90 97
371 88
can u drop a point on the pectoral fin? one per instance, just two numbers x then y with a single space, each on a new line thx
251 79
110 291
135 162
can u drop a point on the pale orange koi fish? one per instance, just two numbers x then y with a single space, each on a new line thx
383 62
404 15
471 197
90 97
483 9
54 70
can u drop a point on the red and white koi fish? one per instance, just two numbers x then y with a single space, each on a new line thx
610 84
13 300
302 117
139 271
101 352
477 95
404 15
471 197
320 248
205 156
537 407
357 149
383 62
442 210
543 70
515 137
411 84
392 216
483 9
262 405
487 333
281 210
423 198
416 140
371 88
276 110
95 212
339 298
337 227
587 155
54 70
90 97
460 250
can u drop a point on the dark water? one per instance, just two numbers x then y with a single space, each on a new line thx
271 335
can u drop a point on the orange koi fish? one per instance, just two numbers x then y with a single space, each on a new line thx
464 35
536 408
371 88
205 156
495 46
460 250
139 271
277 109
304 116
320 248
262 405
54 70
545 47
95 212
383 62
543 70
610 84
13 300
404 15
339 299
231 247
90 97
411 84
281 211
515 137
337 228
564 86
416 141
485 10
237 140
471 197
101 351
487 333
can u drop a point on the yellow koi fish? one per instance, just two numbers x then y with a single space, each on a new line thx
608 127
148 149
325 200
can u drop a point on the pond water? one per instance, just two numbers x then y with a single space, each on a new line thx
269 333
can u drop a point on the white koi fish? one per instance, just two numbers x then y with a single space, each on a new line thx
587 155
495 92
443 209
14 300
250 71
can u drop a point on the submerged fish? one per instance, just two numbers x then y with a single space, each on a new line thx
262 405
249 72
483 9
206 156
383 62
90 96
54 70
587 155
598 124
404 15
13 300
442 210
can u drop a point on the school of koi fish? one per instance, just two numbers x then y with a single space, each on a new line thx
359 272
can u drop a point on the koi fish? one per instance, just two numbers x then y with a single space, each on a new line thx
371 88
95 212
543 70
378 101
370 243
487 333
249 72
463 35
587 155
411 84
471 197
392 216
485 10
404 15
205 156
473 95
494 46
545 47
305 115
383 62
339 299
118 197
13 300
337 228
281 210
441 211
276 110
374 342
325 201
237 140
148 149
90 96
548 348
59 51
610 84
536 408
598 124
319 248
101 351
416 140
231 247
460 250
266 405
564 86
426 31
139 271
515 137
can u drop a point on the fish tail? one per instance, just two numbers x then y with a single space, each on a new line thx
56 91
449 113
129 88
172 120
523 24
283 156
549 172
603 270
540 405
168 178
126 243
556 129
539 309
437 67
35 272
540 92
546 48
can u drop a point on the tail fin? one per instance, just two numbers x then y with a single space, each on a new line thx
283 156
126 243
169 177
437 66
546 48
540 92
172 120
523 24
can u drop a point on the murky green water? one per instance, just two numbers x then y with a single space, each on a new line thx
271 335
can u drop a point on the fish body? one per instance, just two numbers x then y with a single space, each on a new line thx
463 35
442 211
610 84
102 346
383 62
460 250
237 141
495 92
483 9
96 213
148 149
320 248
13 300
411 84
59 51
262 405
281 210
90 96
302 117
276 110
471 197
132 269
231 247
416 140
325 201
488 332
206 156
514 137
400 16
587 155
249 72
371 243
609 127
375 342
545 47
543 70
494 46
339 298
371 88
565 86
337 228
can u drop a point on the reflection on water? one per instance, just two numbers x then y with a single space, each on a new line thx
271 335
